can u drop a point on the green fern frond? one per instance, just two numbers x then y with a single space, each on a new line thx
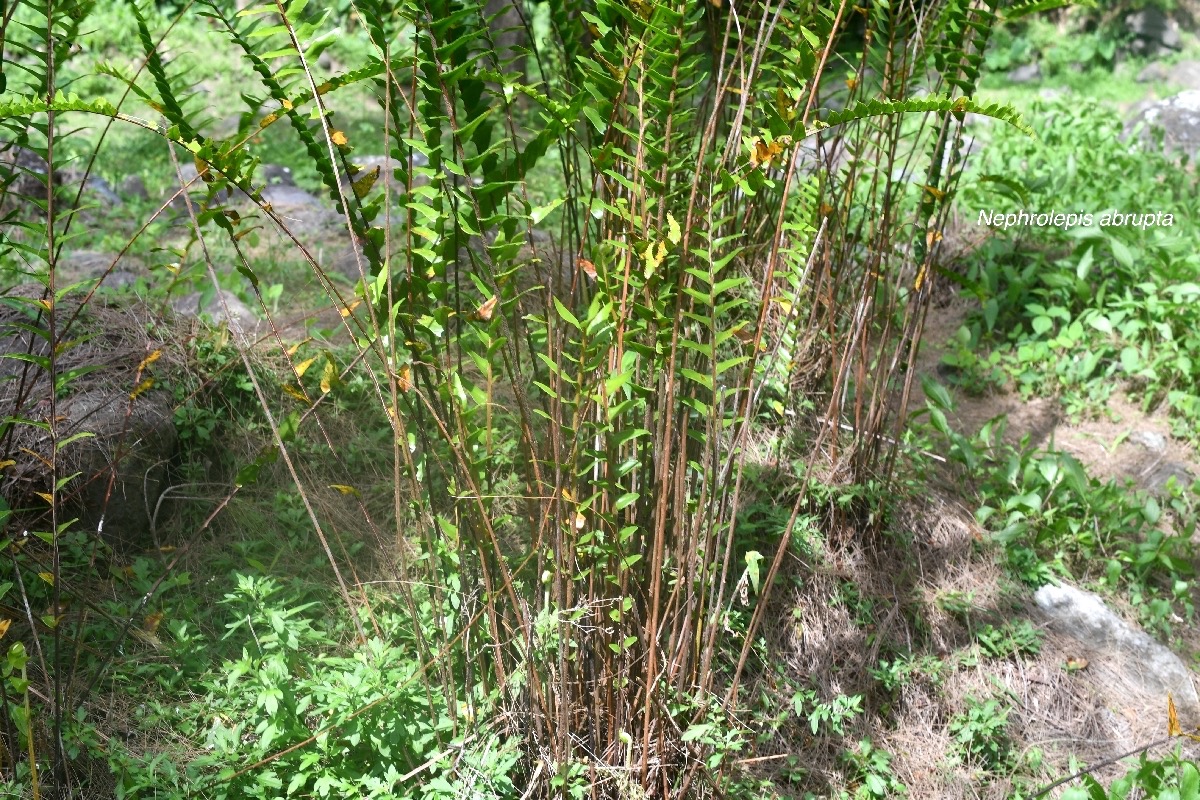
877 108
1020 10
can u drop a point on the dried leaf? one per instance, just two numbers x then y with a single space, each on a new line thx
959 108
4 624
588 268
152 621
852 82
348 310
919 281
1077 663
937 193
296 394
339 138
1173 728
485 311
362 186
404 378
764 153
580 521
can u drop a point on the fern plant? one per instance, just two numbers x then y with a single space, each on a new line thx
603 357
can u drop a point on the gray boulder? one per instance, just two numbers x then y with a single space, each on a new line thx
1025 73
133 186
224 307
22 171
1154 33
1123 655
111 270
1177 117
1180 76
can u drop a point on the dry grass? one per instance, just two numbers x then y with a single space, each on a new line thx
1091 714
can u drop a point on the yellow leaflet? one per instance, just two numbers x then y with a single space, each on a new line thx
291 351
328 376
141 387
338 138
674 234
150 359
1173 727
7 463
344 489
303 366
920 279
48 577
4 623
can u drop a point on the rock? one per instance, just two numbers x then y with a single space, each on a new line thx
196 187
22 170
1025 73
131 446
1184 75
1153 441
1181 76
1128 656
96 190
1177 117
133 186
1153 72
1156 477
88 265
223 307
1154 33
276 175
346 262
302 213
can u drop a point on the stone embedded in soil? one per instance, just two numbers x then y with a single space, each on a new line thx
1153 441
1128 654
1159 476
225 307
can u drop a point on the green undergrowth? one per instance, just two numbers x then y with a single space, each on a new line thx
1079 313
1052 521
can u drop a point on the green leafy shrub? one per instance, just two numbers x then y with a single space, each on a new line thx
1081 312
981 734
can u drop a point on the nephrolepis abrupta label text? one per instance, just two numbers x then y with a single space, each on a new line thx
1059 219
